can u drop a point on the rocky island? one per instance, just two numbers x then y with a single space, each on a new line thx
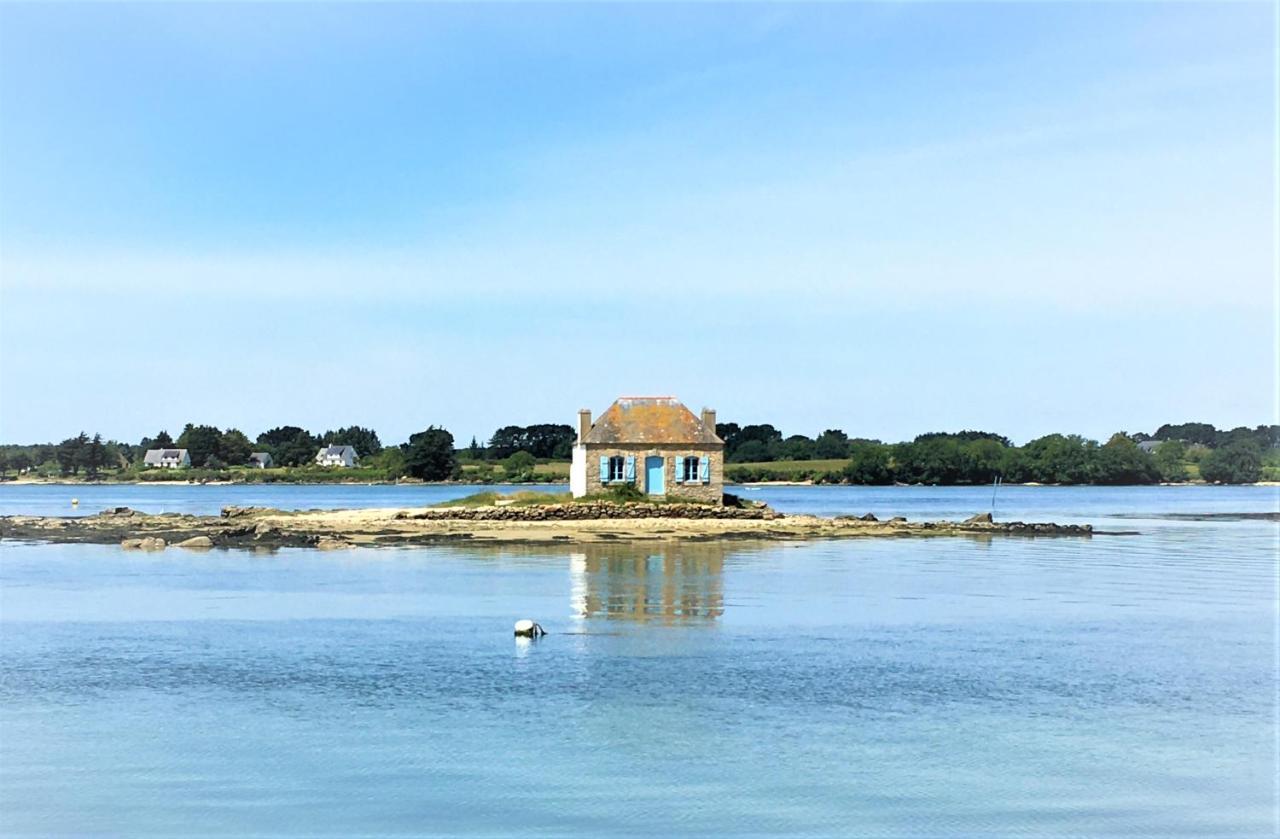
498 523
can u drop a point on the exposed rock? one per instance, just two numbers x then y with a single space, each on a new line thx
980 518
869 517
233 512
587 522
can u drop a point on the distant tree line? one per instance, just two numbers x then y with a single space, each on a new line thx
546 441
1203 434
977 457
1184 451
429 454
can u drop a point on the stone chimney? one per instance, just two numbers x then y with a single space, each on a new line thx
584 424
709 419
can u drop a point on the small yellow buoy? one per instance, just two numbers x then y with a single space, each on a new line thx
75 502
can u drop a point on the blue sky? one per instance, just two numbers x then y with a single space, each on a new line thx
885 218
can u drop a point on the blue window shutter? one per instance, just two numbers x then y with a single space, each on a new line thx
631 468
704 469
604 468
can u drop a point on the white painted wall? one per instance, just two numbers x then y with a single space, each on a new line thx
578 472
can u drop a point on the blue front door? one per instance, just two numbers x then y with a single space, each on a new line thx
656 473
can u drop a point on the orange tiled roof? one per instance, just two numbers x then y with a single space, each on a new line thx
650 419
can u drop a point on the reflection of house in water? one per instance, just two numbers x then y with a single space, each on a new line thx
668 584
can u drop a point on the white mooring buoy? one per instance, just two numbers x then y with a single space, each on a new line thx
75 502
529 629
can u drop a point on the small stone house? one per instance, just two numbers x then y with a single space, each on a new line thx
344 456
166 459
653 443
261 460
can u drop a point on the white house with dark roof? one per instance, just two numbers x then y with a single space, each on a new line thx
261 460
343 456
653 443
166 459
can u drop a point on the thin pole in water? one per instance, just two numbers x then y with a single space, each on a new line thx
995 485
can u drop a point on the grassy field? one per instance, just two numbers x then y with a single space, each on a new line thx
518 499
557 470
792 467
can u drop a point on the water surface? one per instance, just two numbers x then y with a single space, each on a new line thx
951 687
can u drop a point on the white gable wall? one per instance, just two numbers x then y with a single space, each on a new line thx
578 472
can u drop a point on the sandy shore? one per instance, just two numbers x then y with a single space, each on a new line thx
257 527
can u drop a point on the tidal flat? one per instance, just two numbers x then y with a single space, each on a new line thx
578 523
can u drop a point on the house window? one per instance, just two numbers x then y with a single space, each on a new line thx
689 474
617 469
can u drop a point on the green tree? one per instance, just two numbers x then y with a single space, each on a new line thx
1121 462
1058 459
934 460
1235 463
429 455
234 447
20 462
735 437
200 441
830 444
1188 432
119 455
364 440
751 451
797 447
160 441
70 454
549 440
981 460
1170 459
868 464
728 432
95 456
519 466
965 436
1197 453
389 462
290 445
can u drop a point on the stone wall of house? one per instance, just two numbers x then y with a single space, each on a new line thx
712 491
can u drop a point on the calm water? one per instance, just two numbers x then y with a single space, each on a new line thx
1109 686
1062 504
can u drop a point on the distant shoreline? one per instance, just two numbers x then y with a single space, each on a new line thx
413 482
403 482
